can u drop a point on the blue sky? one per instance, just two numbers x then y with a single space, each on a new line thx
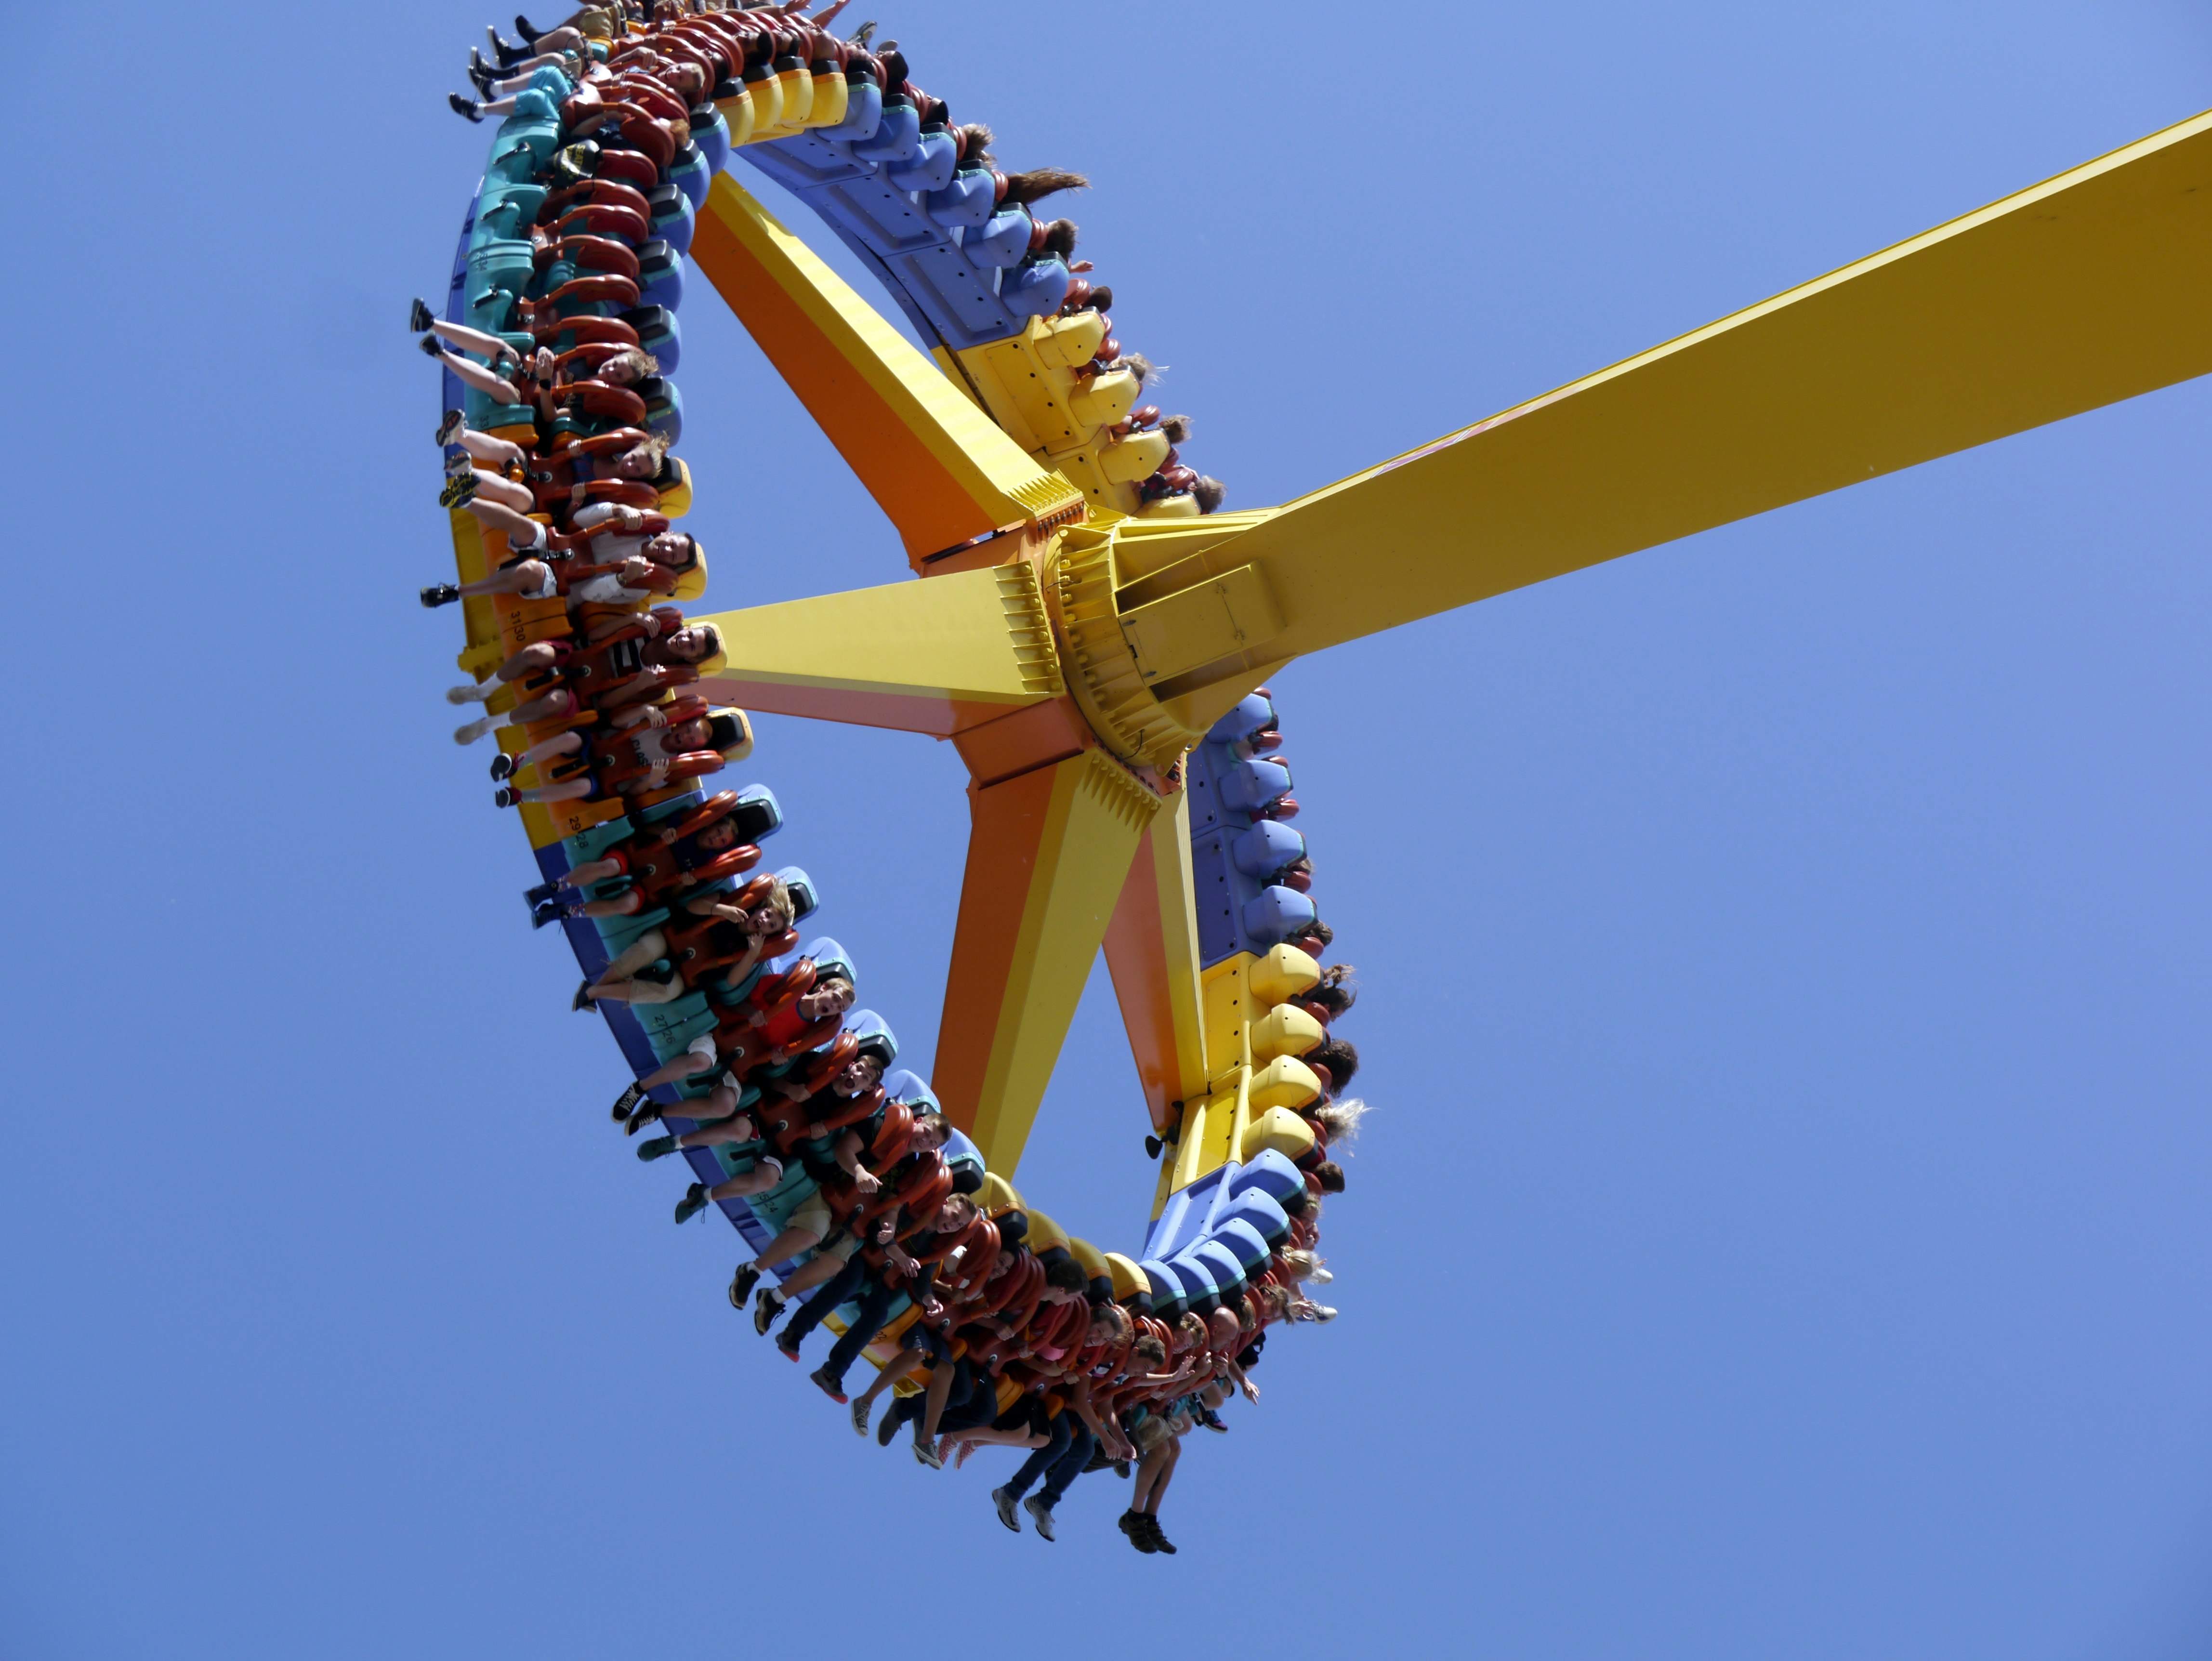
1782 1231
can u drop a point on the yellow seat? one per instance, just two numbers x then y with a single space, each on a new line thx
1286 1081
1105 400
797 88
1136 457
1128 1279
1283 974
1170 508
1277 1130
740 113
1071 342
1286 1030
830 100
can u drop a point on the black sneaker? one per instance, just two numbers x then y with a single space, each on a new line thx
583 998
1160 1542
461 106
656 1147
830 1384
457 490
502 767
549 911
748 1275
694 1202
418 322
632 1094
536 896
504 797
767 1305
1131 1524
440 593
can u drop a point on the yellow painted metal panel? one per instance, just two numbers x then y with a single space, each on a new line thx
925 657
2090 287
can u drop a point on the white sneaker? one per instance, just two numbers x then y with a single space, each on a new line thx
1039 1513
1005 1501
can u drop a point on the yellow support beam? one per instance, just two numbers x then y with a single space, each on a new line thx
933 462
2090 287
1048 851
938 657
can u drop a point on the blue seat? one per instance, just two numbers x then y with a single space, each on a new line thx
689 173
1266 848
1002 241
1269 1173
864 110
897 136
930 167
660 275
664 406
803 896
506 211
829 957
759 815
711 133
659 333
1223 1264
875 1035
1200 1293
1251 715
967 200
908 1086
673 219
1035 288
1251 785
1274 914
1168 1299
1246 1242
1256 1210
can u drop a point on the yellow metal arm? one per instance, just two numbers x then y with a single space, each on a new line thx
2090 287
936 657
933 461
1047 853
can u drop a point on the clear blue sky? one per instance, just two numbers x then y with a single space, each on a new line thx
1783 1231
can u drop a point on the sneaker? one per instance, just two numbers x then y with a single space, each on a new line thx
458 491
887 1429
418 322
1039 1513
1130 1525
583 998
742 1282
449 429
549 911
1323 1314
660 1147
440 593
630 1098
693 1203
502 768
1121 1469
461 106
1160 1542
789 1351
1004 1500
504 797
861 1409
924 1454
830 1386
468 694
534 898
470 732
640 1116
766 1307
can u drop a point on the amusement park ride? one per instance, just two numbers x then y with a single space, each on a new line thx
1077 652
